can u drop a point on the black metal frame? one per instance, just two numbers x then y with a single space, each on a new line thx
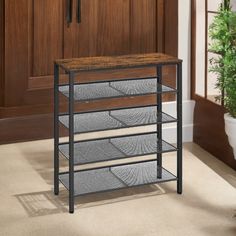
56 129
72 141
159 126
179 130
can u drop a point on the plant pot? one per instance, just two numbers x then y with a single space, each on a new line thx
230 129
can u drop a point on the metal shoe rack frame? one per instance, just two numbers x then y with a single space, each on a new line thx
153 167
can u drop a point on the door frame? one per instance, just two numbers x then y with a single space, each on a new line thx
208 131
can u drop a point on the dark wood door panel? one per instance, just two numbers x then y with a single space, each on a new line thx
47 19
16 51
209 131
33 39
112 29
143 26
78 37
104 29
171 29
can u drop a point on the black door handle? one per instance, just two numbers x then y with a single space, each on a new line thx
79 11
68 11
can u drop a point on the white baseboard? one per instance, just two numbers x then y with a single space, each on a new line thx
169 131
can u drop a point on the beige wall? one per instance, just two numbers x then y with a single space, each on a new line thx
184 44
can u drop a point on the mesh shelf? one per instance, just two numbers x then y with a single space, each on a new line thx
86 92
116 148
118 177
123 118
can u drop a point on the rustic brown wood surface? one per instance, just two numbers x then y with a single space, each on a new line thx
116 62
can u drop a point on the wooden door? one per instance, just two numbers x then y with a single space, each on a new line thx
209 130
103 30
34 38
113 27
36 33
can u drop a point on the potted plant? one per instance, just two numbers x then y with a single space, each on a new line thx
222 33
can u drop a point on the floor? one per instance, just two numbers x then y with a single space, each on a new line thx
29 208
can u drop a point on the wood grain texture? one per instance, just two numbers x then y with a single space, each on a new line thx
46 82
116 62
28 94
161 27
11 128
79 37
209 131
171 34
47 33
171 27
143 26
104 29
16 51
112 27
25 128
31 109
2 50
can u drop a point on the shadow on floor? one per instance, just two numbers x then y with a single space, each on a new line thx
46 203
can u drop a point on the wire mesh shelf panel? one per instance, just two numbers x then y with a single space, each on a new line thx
86 92
111 178
116 148
123 118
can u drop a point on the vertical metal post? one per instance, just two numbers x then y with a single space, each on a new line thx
71 142
179 128
56 129
159 124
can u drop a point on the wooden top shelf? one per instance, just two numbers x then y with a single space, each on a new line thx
115 62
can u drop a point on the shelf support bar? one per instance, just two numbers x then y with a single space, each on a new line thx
56 129
71 142
179 128
159 124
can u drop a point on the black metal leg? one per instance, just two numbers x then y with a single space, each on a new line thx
56 130
179 129
159 125
71 143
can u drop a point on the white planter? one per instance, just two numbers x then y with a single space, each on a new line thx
230 129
